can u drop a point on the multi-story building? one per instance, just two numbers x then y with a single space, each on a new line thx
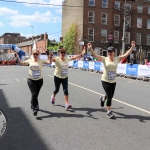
101 23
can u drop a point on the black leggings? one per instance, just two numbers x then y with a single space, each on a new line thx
34 86
109 90
64 82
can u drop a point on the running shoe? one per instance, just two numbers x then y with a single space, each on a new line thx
102 101
110 115
35 111
68 106
53 99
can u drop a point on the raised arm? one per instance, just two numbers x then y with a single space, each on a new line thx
128 52
78 56
89 46
20 61
49 61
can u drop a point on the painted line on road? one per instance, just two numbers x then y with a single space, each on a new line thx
17 79
138 108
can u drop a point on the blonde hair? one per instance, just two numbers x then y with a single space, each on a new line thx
35 50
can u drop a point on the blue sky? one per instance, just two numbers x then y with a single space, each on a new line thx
18 18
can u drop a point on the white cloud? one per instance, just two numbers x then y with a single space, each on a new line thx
37 17
6 11
1 24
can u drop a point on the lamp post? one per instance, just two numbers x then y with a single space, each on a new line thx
32 37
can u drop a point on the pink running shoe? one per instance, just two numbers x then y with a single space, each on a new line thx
53 99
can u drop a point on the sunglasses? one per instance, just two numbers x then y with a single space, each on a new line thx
63 52
35 54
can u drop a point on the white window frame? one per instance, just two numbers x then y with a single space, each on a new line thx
148 23
117 5
116 37
106 19
104 3
140 9
128 20
127 41
92 1
91 16
116 19
139 24
90 35
128 6
148 10
148 38
138 38
103 36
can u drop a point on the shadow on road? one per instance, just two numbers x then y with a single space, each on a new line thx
20 134
140 118
2 84
88 111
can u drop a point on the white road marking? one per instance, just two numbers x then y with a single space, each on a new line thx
138 108
17 80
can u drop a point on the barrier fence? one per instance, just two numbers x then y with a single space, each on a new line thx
125 69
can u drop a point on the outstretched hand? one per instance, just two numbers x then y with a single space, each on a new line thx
133 44
89 45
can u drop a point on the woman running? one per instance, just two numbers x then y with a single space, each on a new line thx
35 79
109 74
61 75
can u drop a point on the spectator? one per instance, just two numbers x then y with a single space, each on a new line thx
133 60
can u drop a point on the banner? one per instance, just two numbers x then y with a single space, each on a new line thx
143 70
132 69
75 64
97 66
71 63
91 65
86 64
80 64
122 68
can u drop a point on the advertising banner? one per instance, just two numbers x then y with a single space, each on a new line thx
121 68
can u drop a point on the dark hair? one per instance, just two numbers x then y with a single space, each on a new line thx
62 50
146 58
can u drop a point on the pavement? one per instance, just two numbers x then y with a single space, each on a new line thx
85 127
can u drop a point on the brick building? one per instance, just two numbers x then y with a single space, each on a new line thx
10 38
101 23
39 42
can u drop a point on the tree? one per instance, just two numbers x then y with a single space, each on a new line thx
70 39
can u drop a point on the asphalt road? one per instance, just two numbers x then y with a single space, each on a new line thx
86 126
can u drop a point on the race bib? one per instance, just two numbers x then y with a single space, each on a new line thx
36 74
64 71
35 71
111 75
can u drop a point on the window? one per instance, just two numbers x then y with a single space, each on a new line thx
128 6
91 2
138 38
148 10
116 36
139 22
117 20
148 39
91 16
140 9
103 36
148 24
104 18
91 35
128 20
127 38
117 5
104 3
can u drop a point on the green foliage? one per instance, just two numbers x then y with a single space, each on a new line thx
70 38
